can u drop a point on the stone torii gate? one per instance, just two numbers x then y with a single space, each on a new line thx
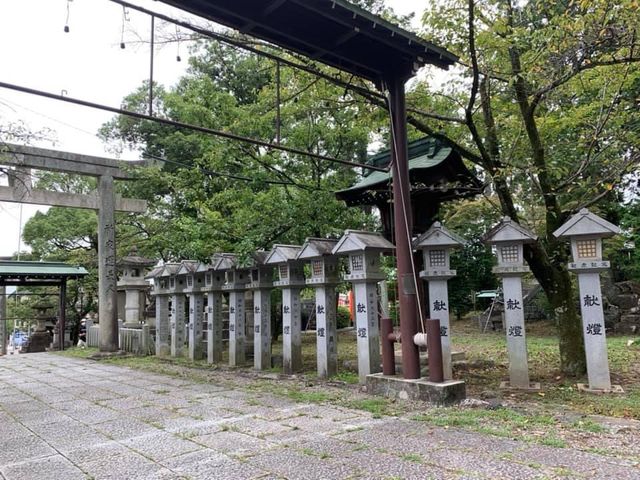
105 201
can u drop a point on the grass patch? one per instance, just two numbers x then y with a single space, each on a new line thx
308 397
350 378
376 406
412 457
75 352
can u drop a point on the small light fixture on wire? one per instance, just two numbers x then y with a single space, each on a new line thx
178 57
66 22
125 18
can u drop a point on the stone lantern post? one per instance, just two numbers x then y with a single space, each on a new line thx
363 250
161 293
261 283
194 282
132 282
40 339
509 238
586 230
291 280
236 280
213 281
436 244
176 306
324 278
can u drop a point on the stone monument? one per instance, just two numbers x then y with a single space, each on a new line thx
291 281
261 284
236 280
193 290
213 281
436 244
324 277
585 231
363 250
509 238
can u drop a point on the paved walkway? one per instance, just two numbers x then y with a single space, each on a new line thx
66 419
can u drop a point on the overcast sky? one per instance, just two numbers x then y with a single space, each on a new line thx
86 63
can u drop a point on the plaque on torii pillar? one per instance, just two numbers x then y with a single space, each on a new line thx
105 201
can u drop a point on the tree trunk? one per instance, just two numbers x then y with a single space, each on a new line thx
556 283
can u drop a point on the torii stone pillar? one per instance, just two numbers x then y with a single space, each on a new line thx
291 280
586 231
213 290
107 277
324 278
364 249
509 237
261 285
436 244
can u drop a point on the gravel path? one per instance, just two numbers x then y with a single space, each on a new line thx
63 418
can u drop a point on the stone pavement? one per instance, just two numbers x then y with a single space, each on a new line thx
64 419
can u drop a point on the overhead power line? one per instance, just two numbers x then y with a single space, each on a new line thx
186 126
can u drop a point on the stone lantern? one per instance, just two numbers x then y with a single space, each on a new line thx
176 284
363 250
134 286
585 231
436 245
508 237
261 283
160 291
323 269
236 280
291 281
213 282
194 282
40 339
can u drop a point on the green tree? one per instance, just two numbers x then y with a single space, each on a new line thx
544 101
213 195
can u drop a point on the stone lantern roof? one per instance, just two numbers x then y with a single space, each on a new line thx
134 260
585 223
169 270
224 261
188 267
282 254
358 241
155 272
509 231
438 236
314 248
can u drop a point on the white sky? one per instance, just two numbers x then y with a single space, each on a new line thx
86 63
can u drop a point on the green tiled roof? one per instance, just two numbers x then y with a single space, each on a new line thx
40 269
423 153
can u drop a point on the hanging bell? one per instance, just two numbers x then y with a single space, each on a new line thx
178 58
66 29
122 45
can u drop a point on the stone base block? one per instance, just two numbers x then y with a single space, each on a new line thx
445 393
38 342
533 387
616 389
